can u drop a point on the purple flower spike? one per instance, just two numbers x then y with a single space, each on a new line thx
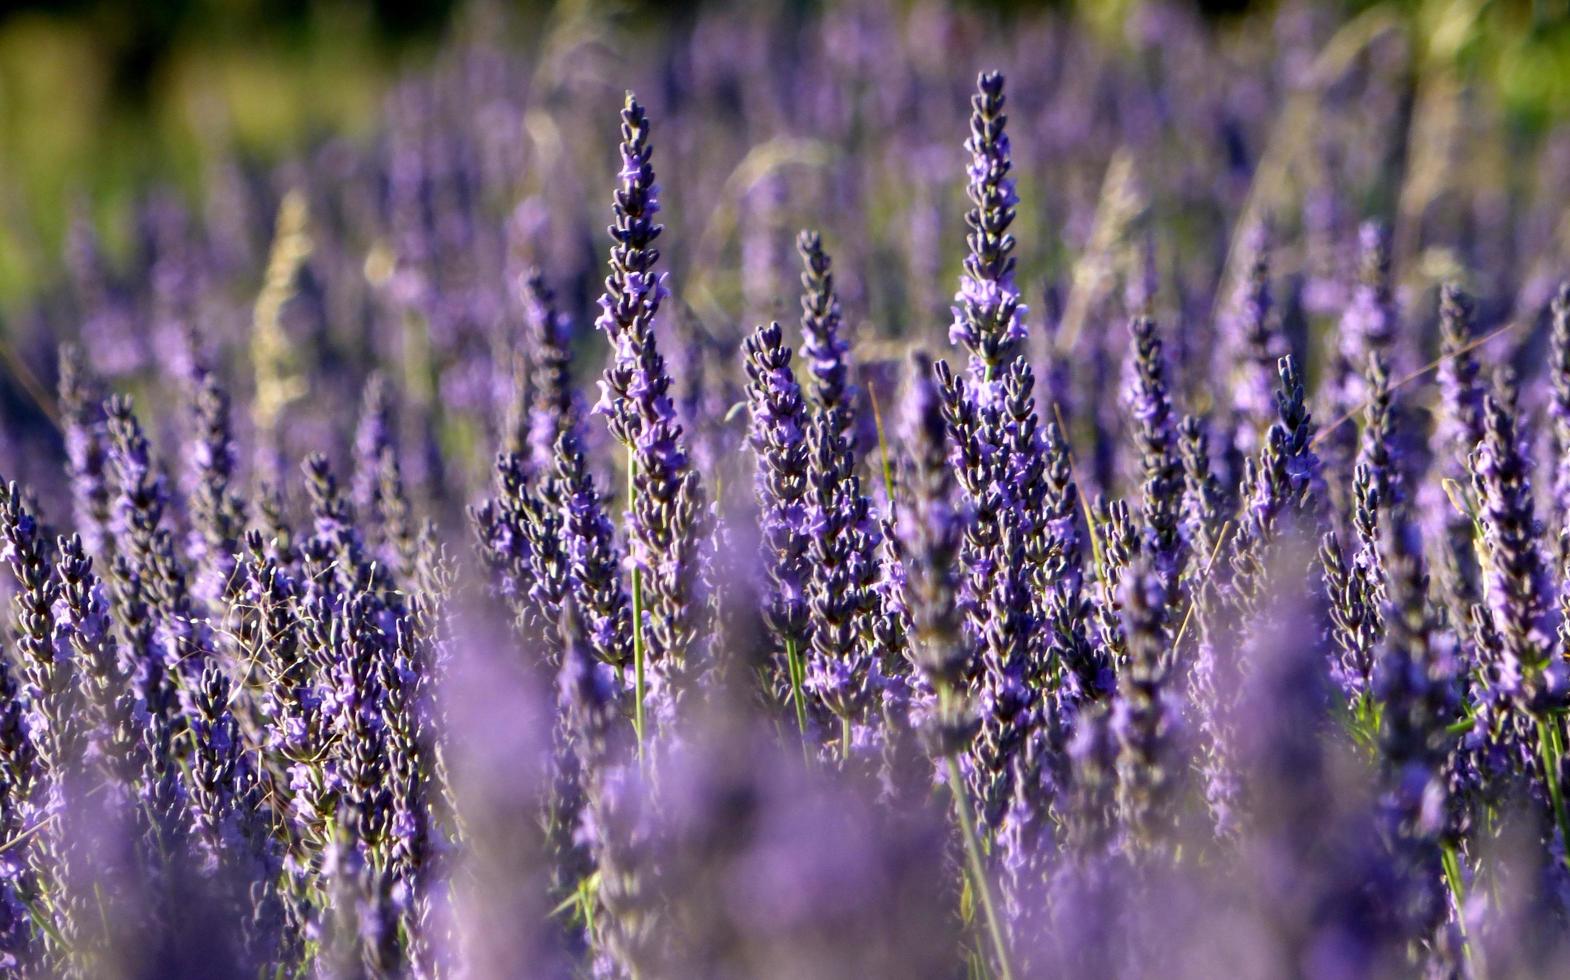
1517 578
1150 402
1457 431
217 512
1559 412
593 562
554 409
668 506
86 449
989 319
779 439
1145 715
1252 342
824 347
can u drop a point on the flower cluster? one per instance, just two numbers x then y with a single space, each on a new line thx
1189 622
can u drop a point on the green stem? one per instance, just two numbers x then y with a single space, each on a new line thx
1210 564
1098 565
637 619
844 739
793 667
883 445
978 871
1452 865
1548 746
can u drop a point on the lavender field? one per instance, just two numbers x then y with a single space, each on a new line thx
911 492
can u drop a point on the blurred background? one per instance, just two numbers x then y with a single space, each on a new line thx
99 98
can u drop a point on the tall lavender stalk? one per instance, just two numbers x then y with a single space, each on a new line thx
1516 577
931 532
988 316
1145 718
824 348
521 538
615 829
593 562
1381 486
374 436
1528 670
1458 430
1284 481
1150 402
217 512
842 671
1559 415
553 411
779 439
51 795
86 450
1254 342
1358 588
1414 683
1009 711
140 604
336 546
946 653
1080 669
1367 328
1369 324
665 500
113 727
1205 499
1026 446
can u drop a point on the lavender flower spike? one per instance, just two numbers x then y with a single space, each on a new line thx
1367 327
1559 409
588 542
1150 401
1254 342
52 706
48 665
1413 681
632 290
1144 717
139 506
842 566
823 346
942 652
1285 480
86 449
554 410
218 514
667 500
1369 324
989 319
1516 579
1457 431
779 438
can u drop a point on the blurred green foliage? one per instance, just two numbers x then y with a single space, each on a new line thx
98 97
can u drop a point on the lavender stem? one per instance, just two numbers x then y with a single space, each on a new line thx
978 872
793 666
637 616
